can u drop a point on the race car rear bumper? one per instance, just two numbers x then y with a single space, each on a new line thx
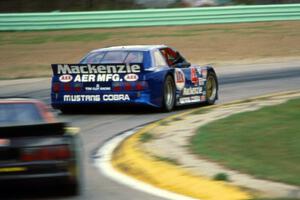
36 170
129 98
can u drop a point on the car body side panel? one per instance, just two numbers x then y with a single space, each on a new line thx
156 80
193 90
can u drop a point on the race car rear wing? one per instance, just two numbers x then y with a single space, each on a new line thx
45 129
115 68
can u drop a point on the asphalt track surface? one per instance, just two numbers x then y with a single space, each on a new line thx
98 126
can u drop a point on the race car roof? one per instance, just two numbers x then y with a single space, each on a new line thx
131 48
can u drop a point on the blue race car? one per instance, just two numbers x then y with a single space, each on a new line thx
153 75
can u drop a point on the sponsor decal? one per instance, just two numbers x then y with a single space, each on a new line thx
65 78
192 99
98 69
4 142
97 88
116 97
192 91
97 77
97 73
131 77
179 79
79 98
204 73
194 76
96 98
201 81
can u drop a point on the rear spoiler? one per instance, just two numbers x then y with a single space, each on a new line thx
115 68
46 129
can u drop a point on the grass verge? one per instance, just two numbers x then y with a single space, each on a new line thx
146 137
265 143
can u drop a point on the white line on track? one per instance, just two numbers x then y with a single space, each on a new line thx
103 163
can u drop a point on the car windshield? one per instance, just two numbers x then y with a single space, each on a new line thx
19 114
113 57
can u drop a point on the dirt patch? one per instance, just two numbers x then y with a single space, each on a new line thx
29 54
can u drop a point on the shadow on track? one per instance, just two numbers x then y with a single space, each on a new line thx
115 109
108 110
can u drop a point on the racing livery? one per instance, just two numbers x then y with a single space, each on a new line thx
154 75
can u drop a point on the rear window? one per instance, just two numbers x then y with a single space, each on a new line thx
113 57
19 114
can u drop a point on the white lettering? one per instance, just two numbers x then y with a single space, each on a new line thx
192 99
116 97
78 98
192 91
75 69
135 69
108 77
84 70
101 69
63 69
98 69
122 69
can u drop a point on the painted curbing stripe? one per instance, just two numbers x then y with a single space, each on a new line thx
103 163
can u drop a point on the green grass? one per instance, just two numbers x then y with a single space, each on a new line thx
40 37
221 177
164 122
264 143
146 137
177 119
45 38
166 159
201 110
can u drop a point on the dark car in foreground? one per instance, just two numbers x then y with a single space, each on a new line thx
152 75
35 147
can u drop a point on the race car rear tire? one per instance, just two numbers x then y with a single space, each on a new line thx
168 94
74 184
211 88
73 189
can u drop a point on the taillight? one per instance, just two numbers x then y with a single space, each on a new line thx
61 152
141 85
116 87
127 86
77 87
56 87
67 87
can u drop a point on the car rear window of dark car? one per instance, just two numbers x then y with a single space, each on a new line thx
113 57
19 114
